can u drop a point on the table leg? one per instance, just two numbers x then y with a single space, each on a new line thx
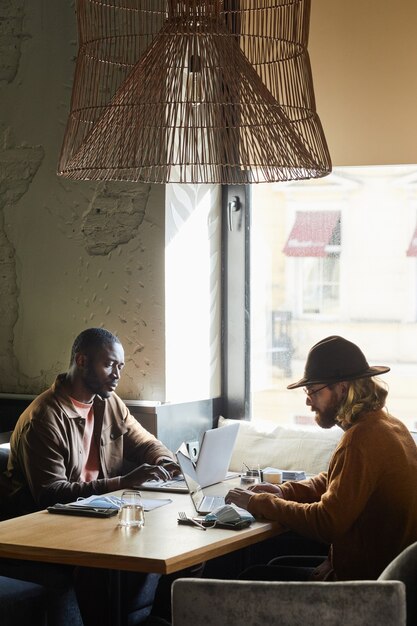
118 610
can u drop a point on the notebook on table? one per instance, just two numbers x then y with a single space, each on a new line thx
212 463
203 504
287 475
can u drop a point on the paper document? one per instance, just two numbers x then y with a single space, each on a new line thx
150 505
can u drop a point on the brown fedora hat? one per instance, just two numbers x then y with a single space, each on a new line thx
334 359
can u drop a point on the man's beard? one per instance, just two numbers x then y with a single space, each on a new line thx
327 417
94 384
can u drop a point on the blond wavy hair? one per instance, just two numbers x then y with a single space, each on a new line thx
364 394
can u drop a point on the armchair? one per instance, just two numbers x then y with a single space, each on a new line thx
233 603
404 568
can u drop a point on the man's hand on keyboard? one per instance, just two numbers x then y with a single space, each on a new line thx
172 467
239 496
143 473
266 488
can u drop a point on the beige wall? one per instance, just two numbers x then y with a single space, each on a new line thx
364 56
73 254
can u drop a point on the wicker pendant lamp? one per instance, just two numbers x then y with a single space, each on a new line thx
193 91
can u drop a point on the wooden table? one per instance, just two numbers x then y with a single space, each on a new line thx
161 546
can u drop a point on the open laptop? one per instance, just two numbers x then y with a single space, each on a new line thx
203 504
212 463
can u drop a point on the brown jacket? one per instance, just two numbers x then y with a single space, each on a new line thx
46 447
365 506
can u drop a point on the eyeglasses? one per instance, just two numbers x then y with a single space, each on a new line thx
312 393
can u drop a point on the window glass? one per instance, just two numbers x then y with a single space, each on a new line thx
320 285
192 288
335 256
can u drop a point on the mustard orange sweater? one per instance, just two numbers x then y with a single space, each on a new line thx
365 506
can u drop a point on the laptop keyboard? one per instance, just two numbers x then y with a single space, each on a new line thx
212 502
174 483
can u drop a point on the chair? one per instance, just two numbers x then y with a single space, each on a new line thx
21 603
404 568
251 603
33 593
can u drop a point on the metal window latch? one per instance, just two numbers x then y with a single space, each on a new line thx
234 206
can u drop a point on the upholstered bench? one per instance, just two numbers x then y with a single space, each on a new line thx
269 445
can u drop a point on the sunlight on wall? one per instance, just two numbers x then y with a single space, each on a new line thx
192 278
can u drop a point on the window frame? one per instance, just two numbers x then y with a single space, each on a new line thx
236 347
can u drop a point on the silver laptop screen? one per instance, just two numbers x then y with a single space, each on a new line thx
190 477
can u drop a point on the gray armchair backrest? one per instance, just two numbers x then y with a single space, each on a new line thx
404 568
253 603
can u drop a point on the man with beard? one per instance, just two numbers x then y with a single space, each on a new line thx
365 506
76 440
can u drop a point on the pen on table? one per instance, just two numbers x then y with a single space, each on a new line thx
197 523
260 473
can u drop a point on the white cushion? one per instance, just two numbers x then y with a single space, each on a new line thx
283 448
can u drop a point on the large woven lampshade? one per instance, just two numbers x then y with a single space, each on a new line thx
193 91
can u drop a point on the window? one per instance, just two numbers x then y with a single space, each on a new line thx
319 285
314 242
333 256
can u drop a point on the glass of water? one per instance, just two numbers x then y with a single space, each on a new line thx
131 513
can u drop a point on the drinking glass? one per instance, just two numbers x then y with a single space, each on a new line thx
131 513
249 477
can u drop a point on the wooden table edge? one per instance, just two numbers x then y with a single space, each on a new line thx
135 563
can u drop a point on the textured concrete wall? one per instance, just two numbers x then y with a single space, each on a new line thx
72 254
